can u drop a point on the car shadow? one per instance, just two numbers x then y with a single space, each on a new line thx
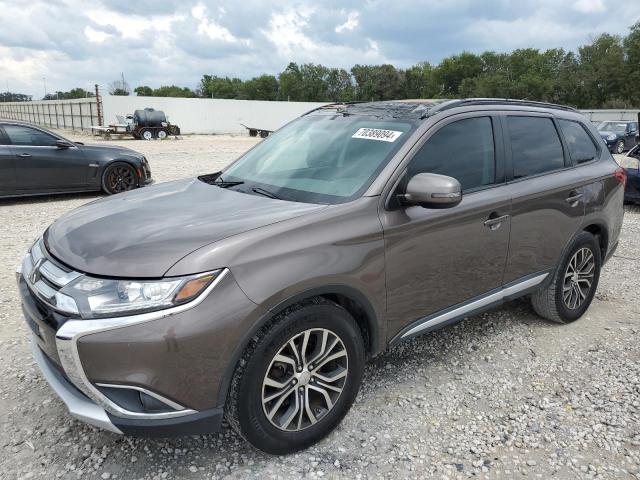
454 343
46 198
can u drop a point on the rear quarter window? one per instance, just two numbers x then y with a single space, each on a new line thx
535 146
580 144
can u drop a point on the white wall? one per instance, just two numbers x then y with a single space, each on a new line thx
602 115
206 115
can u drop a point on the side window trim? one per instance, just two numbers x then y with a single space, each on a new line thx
395 180
30 127
497 145
596 144
508 148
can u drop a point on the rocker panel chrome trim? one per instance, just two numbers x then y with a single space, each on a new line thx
477 304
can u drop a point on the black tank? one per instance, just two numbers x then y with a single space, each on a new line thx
149 117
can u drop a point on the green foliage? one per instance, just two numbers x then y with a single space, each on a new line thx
165 91
14 97
71 94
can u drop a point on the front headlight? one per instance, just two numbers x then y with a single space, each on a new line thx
98 297
611 136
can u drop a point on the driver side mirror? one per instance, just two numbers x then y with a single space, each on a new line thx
63 144
431 190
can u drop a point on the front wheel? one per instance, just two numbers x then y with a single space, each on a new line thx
146 134
574 284
119 177
298 378
620 146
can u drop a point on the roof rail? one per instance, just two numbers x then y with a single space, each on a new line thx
497 101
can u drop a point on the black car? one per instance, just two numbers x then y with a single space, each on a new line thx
632 167
35 161
619 135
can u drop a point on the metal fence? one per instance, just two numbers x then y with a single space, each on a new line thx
77 114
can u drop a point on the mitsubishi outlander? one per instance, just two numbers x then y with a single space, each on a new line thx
258 293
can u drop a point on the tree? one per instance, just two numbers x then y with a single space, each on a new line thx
602 67
264 87
119 87
291 84
71 94
378 82
14 97
339 86
143 91
449 75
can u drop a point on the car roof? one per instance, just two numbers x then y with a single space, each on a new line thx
424 108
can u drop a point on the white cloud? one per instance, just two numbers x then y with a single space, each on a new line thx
589 6
351 23
210 28
95 36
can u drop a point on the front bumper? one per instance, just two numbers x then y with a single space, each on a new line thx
104 369
85 410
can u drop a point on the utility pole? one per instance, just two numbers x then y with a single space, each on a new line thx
44 81
99 105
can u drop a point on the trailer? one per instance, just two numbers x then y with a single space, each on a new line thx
147 124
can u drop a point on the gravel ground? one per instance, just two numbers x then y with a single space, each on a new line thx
500 395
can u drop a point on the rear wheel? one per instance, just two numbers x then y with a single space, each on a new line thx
162 134
119 177
574 284
298 378
620 146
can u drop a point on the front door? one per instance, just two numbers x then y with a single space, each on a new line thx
437 258
41 165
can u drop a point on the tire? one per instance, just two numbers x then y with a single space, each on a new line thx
619 147
251 386
119 177
147 134
555 302
162 134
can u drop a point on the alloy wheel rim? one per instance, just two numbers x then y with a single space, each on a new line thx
304 379
162 134
147 135
578 278
120 179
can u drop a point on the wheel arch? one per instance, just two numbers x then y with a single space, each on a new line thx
351 299
109 163
601 233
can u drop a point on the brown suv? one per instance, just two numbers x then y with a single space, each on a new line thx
258 293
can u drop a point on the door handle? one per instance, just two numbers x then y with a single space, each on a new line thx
574 198
24 155
494 222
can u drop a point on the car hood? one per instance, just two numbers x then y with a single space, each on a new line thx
109 148
606 134
141 234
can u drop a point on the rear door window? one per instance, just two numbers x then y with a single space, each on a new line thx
535 146
580 144
21 135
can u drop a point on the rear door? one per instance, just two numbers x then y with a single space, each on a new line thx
7 168
547 194
41 165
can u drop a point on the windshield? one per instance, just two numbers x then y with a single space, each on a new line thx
319 158
612 127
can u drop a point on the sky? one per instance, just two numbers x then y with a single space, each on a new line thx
74 43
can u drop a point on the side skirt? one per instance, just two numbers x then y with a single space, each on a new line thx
474 306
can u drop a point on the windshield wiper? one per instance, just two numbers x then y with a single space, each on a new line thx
226 184
266 193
